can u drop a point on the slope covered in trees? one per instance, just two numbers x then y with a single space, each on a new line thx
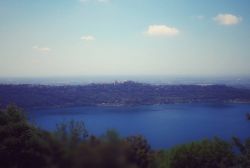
126 93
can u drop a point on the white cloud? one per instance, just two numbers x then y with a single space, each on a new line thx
88 38
42 49
227 19
162 30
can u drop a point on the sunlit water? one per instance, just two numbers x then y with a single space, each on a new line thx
163 125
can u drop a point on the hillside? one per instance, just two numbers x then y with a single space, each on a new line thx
126 93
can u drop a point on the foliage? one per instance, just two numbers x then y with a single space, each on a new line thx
206 154
23 146
71 133
243 159
140 151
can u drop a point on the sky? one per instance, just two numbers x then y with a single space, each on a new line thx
46 38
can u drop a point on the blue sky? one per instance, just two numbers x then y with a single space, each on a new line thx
124 37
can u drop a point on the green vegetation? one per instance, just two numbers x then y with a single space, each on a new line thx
22 145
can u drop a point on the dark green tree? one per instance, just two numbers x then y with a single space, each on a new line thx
214 153
21 145
140 151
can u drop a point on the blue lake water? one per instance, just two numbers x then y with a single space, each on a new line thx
163 125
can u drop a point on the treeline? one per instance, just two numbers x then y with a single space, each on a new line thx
23 145
127 93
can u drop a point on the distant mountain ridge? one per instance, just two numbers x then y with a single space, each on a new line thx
117 93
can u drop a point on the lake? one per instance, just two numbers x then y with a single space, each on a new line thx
163 125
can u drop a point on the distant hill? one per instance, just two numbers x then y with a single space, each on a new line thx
118 93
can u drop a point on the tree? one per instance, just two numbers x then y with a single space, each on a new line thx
140 151
71 133
243 158
214 153
21 145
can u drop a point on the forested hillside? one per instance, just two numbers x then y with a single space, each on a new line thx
126 93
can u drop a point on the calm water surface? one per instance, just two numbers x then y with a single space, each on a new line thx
163 125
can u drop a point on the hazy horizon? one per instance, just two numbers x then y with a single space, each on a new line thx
69 38
242 81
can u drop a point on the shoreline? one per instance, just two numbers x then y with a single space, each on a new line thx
136 105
